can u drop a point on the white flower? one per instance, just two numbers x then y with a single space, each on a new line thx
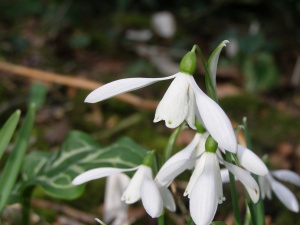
268 183
186 159
115 211
205 187
181 102
142 186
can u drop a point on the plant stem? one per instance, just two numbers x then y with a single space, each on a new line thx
258 211
234 197
26 204
171 142
161 219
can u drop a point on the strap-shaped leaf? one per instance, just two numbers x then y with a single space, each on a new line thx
79 153
14 162
8 130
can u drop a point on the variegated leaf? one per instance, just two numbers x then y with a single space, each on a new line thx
54 172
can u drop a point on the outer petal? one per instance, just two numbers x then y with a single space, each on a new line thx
215 119
284 195
246 179
98 173
213 61
204 196
225 176
133 190
114 209
151 198
185 153
251 161
173 108
121 86
190 118
196 174
168 174
265 187
287 176
167 198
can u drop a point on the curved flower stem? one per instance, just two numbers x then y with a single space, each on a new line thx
208 83
171 142
234 198
258 211
161 219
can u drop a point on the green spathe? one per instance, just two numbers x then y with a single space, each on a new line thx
211 145
188 63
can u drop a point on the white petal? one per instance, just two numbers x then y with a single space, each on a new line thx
204 196
246 179
213 62
114 209
121 86
218 180
177 163
133 191
185 153
200 148
215 120
167 198
190 118
98 173
196 174
265 188
168 174
251 161
284 195
173 108
287 176
151 198
225 176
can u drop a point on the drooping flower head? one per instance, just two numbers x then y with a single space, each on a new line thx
183 100
154 196
268 183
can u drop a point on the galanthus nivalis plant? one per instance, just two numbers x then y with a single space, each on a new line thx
213 146
268 183
142 186
182 102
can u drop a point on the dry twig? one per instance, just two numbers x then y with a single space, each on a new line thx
72 82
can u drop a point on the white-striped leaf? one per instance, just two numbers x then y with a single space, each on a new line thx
54 172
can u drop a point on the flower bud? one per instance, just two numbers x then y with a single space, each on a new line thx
188 63
211 145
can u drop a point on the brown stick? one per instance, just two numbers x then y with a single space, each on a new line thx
73 82
67 210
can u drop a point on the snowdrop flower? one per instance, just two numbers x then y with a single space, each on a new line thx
154 196
187 158
205 186
182 101
115 211
268 183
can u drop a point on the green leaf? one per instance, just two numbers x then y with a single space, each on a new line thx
213 63
8 130
38 93
79 153
15 159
